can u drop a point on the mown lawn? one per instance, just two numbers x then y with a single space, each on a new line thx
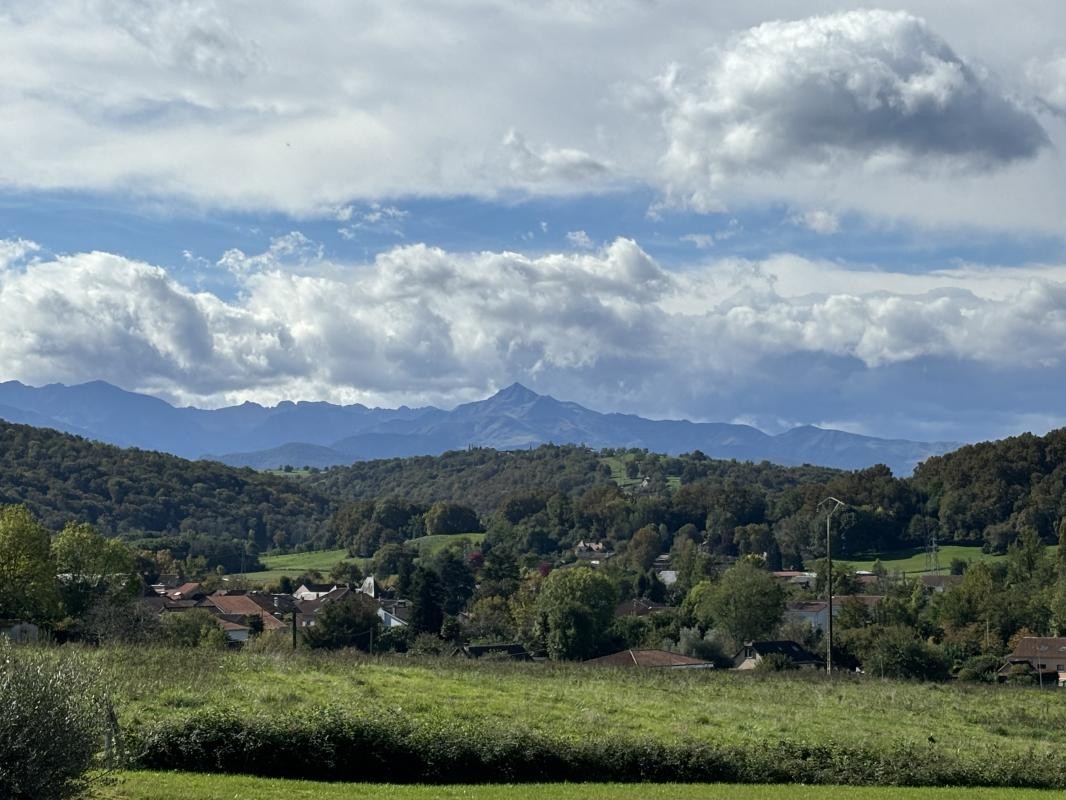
189 786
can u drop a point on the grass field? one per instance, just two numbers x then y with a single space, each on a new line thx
295 564
429 546
589 702
915 561
188 786
618 474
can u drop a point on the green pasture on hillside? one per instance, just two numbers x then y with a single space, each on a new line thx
618 473
295 564
914 561
429 546
190 786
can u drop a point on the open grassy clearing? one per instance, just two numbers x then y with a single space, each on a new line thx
618 473
914 560
296 564
295 472
189 786
429 546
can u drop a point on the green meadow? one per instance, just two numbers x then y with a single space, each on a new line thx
979 734
916 561
190 786
295 564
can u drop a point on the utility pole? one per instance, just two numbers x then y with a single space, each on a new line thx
829 580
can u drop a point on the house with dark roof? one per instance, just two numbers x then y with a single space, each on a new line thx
650 659
1042 656
189 590
754 652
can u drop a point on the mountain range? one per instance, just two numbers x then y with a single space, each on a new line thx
322 434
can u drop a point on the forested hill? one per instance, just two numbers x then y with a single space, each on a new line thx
993 490
480 478
61 477
987 493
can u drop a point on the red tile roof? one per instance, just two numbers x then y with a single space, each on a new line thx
243 605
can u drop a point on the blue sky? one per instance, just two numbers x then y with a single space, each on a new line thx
849 216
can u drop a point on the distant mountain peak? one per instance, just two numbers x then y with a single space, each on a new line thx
516 416
516 392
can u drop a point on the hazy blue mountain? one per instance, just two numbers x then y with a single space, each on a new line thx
322 434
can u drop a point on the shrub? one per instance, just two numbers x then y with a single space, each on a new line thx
52 724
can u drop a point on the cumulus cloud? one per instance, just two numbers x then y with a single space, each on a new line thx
12 251
878 89
611 328
818 221
242 105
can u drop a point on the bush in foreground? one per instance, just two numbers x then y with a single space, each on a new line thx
52 723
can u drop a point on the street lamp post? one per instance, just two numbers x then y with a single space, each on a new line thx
829 580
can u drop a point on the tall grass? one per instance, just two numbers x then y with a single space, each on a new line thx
705 725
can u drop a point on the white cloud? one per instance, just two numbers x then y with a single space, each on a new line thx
1047 78
13 251
557 165
817 221
702 241
611 328
375 217
876 90
580 239
244 105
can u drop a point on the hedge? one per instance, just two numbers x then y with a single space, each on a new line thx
326 744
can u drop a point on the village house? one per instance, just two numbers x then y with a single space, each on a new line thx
796 577
313 591
241 606
1042 656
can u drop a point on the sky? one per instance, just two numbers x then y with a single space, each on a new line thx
842 214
